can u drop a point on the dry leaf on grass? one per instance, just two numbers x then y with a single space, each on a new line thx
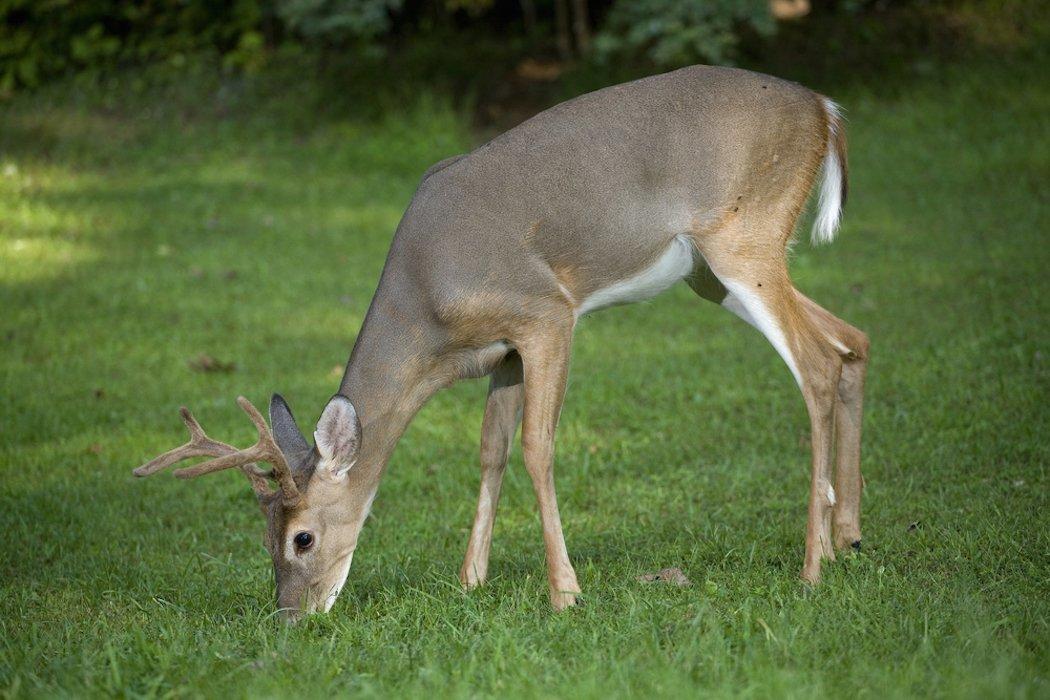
206 363
671 575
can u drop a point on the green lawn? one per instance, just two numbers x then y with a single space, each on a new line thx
137 233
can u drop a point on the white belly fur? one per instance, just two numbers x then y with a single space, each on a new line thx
674 264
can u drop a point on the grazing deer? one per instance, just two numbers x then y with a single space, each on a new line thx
696 175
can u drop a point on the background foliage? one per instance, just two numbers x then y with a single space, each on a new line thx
337 20
40 39
671 32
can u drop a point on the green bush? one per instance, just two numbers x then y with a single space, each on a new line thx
337 20
44 38
679 32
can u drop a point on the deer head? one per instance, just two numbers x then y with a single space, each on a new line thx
312 522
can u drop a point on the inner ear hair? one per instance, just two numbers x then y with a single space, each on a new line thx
338 434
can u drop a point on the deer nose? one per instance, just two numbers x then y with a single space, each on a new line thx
293 603
291 616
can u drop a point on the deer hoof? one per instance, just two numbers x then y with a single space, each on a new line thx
561 600
470 580
811 575
847 537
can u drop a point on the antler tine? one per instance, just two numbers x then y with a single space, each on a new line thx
256 418
264 450
196 431
271 452
200 445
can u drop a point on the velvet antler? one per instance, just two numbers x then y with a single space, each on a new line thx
228 457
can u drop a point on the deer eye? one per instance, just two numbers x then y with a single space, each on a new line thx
303 540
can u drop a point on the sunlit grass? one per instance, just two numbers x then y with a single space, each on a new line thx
135 238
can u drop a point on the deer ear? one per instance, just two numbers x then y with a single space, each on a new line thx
338 436
285 431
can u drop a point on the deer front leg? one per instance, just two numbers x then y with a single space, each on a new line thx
546 361
502 413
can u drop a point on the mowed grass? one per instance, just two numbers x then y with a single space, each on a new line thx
133 239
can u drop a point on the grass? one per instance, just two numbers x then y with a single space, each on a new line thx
137 233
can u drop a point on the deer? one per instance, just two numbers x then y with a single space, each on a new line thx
697 175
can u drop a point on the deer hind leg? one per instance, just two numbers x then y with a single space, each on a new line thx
759 291
502 414
545 359
853 347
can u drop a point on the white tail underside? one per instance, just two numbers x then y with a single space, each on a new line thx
829 202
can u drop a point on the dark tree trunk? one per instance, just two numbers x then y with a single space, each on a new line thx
528 15
581 27
561 27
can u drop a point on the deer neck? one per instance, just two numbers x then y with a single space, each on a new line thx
393 370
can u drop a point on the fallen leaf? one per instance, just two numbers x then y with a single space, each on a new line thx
206 363
670 575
